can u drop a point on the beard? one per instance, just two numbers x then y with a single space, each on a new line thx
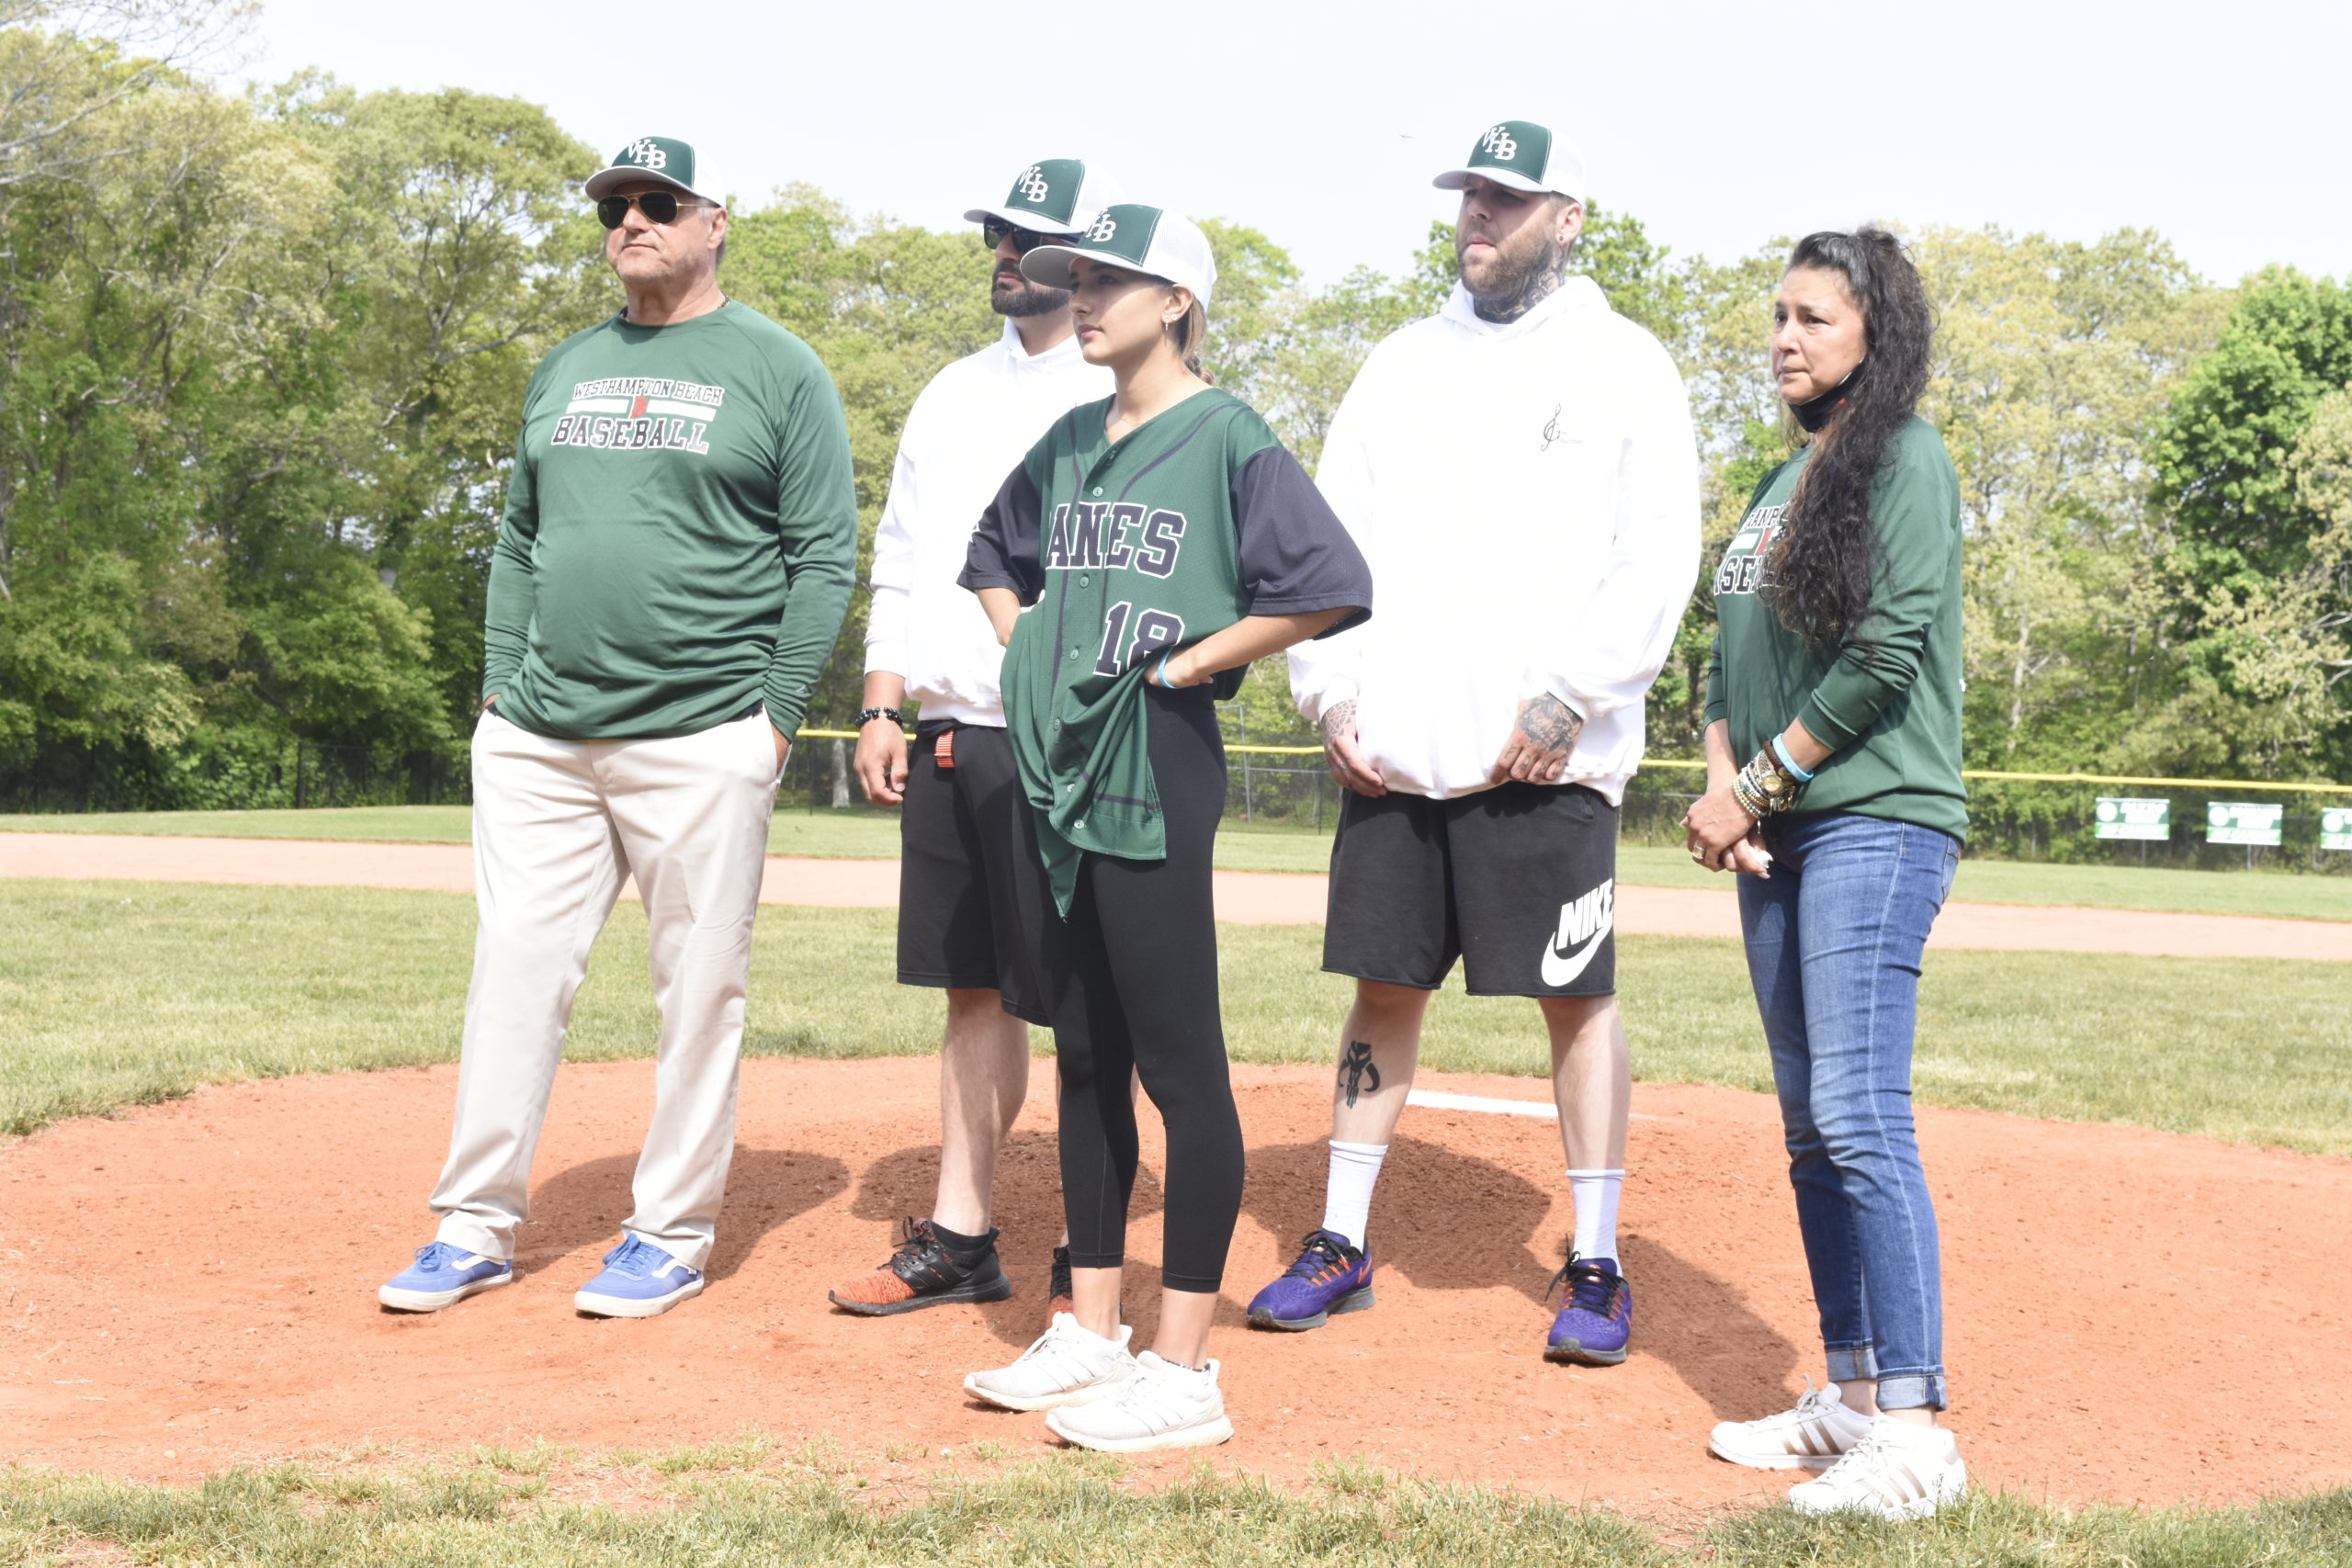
1024 297
1516 282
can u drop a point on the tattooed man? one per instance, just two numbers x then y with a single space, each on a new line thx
1519 471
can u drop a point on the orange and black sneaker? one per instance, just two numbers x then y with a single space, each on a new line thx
1060 1296
931 1268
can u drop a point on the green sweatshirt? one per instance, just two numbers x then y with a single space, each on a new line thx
1127 550
1886 700
681 532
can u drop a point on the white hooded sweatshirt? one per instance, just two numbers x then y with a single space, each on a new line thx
1528 496
967 431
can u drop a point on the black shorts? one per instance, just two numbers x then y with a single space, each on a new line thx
960 918
1519 882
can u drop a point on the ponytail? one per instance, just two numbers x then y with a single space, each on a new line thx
1191 330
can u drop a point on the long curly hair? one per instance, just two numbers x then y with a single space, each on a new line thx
1824 565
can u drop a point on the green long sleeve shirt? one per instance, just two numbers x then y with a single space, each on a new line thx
1886 698
681 532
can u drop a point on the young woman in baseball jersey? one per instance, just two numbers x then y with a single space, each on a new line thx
1836 672
1157 541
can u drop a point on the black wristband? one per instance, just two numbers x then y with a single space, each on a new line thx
867 716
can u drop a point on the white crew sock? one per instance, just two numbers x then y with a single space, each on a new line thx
1347 1193
1595 1192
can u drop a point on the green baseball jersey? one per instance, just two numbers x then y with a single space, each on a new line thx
1886 699
681 532
1126 549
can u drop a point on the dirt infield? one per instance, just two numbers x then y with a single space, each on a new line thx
1243 897
2134 1315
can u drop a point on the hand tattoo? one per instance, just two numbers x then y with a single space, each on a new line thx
1340 721
1356 1071
1552 724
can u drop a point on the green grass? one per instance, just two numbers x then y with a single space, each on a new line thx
125 993
758 1503
862 833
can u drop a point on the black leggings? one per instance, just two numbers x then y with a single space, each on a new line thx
1131 984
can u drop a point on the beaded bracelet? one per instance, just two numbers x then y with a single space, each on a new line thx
1764 788
867 716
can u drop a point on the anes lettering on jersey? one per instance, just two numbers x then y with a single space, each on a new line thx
1113 535
1742 570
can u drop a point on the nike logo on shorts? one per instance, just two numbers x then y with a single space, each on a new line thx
1584 922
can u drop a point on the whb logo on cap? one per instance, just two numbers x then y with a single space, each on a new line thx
1520 145
1049 189
646 153
1105 227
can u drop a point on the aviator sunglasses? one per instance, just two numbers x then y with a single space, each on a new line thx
659 207
994 230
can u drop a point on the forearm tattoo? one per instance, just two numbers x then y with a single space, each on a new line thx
1357 1074
1552 724
1340 721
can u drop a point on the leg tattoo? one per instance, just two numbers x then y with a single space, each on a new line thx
1357 1072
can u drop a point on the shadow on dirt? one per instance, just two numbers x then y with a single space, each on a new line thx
765 1188
1449 1221
1028 1210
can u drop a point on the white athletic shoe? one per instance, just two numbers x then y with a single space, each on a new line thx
1067 1365
1896 1471
1811 1436
1163 1406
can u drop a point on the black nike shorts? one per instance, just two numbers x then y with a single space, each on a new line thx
1519 882
960 918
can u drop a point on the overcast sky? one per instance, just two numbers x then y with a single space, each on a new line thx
1721 126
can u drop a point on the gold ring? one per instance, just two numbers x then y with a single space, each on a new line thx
1697 856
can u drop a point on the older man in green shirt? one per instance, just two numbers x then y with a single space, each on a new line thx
680 537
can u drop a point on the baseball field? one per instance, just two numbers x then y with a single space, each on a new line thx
223 1101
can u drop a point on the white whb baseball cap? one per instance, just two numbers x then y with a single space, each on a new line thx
1138 238
1524 155
1053 196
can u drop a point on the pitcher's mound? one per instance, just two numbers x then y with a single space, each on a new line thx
2132 1315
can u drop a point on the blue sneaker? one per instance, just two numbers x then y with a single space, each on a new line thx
443 1276
640 1280
1596 1315
1330 1276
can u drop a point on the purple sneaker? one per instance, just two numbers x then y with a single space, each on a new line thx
1330 1276
1596 1314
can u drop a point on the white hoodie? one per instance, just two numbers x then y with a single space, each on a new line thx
966 432
1528 496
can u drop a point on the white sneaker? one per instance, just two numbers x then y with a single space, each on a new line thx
1163 1406
1811 1436
1896 1471
1067 1365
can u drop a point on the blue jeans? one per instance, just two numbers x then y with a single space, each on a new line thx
1834 938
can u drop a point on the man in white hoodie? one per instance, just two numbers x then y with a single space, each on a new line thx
1520 470
928 638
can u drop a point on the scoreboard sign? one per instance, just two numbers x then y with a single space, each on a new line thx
2249 822
2121 818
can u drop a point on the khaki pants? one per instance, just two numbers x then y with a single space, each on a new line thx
559 824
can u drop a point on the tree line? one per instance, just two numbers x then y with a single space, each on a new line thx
262 357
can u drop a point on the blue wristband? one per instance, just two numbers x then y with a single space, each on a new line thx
1161 673
1780 751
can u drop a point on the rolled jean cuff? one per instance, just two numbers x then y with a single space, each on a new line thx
1911 1391
1848 1362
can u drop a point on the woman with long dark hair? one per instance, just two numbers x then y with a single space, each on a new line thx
1833 784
